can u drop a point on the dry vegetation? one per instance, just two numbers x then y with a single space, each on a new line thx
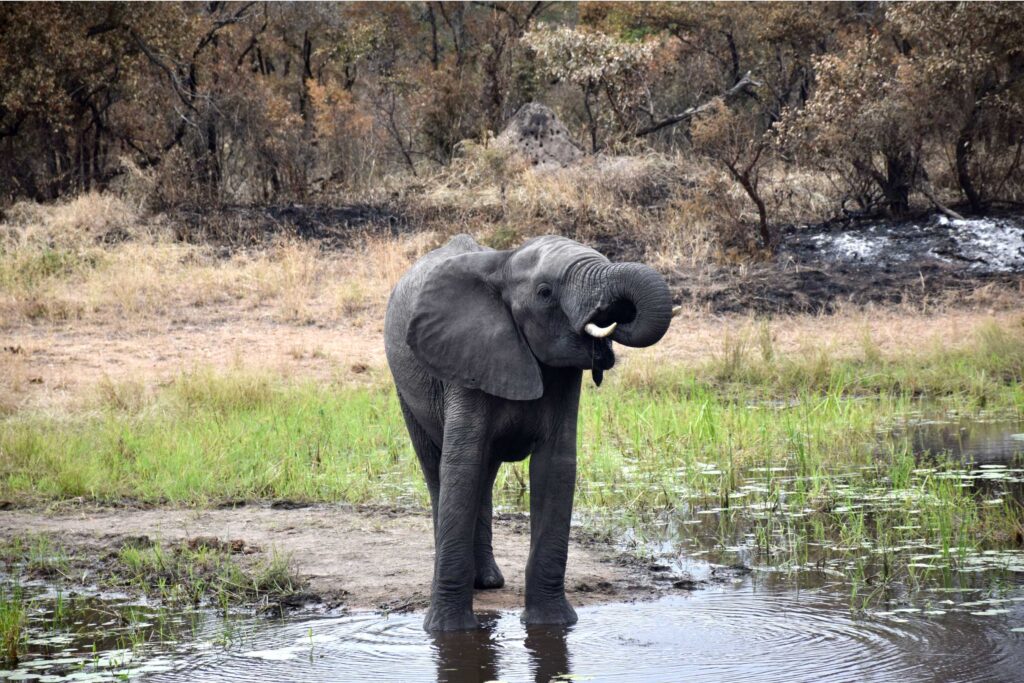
98 301
96 259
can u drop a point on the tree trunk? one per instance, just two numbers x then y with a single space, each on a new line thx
591 123
750 187
963 162
897 183
762 213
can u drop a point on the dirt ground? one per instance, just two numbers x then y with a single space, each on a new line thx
50 366
371 558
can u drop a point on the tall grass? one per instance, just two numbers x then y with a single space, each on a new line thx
95 258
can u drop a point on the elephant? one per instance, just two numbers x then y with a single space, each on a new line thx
487 350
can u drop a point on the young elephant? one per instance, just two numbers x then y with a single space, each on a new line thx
487 349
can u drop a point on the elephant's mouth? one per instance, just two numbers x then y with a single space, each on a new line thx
601 358
598 331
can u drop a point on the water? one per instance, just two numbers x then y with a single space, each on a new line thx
742 631
780 596
992 441
726 634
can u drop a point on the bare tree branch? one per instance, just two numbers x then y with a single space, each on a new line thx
739 88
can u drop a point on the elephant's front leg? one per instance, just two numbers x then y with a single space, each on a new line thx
461 475
552 484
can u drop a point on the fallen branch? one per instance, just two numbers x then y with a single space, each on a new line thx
737 89
927 192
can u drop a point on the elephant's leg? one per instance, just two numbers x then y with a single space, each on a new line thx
428 454
488 575
552 484
462 473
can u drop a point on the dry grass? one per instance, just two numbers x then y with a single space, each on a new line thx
85 313
58 264
670 209
872 334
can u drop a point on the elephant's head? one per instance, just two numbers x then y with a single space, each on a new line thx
488 319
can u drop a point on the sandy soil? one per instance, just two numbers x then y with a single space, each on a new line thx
373 558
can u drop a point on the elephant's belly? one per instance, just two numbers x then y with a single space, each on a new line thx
512 447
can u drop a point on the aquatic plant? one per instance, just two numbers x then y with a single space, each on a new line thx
12 623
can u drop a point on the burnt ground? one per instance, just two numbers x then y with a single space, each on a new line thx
816 268
334 226
822 268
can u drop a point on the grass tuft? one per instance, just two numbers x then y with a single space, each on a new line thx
13 620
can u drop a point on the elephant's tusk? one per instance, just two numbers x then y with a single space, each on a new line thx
676 310
599 332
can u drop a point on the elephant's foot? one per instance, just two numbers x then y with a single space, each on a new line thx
449 620
487 574
557 611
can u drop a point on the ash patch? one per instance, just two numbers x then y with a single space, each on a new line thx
978 245
820 268
993 245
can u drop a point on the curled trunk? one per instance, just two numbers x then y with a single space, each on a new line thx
630 298
640 302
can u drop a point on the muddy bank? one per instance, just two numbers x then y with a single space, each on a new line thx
368 558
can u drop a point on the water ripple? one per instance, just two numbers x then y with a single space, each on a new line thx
711 635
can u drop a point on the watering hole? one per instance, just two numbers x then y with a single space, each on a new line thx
787 574
744 631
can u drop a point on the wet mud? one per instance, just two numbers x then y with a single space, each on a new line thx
362 558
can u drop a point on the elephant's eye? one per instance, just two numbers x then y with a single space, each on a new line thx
544 291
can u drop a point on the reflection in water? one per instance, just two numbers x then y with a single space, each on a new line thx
747 631
473 656
548 651
969 440
467 656
727 634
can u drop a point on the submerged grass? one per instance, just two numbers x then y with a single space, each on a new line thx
197 571
12 624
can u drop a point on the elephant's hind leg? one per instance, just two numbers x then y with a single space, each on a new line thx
427 453
488 575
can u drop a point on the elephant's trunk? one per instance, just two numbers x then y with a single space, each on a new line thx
626 302
639 301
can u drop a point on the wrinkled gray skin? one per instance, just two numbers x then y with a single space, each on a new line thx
487 349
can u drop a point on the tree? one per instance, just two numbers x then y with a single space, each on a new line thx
967 63
609 73
735 139
862 121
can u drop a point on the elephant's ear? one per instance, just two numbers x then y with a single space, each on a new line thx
464 333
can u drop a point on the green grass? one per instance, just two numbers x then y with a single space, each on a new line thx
206 437
187 575
199 571
12 624
796 452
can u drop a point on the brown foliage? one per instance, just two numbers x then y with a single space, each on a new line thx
268 103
